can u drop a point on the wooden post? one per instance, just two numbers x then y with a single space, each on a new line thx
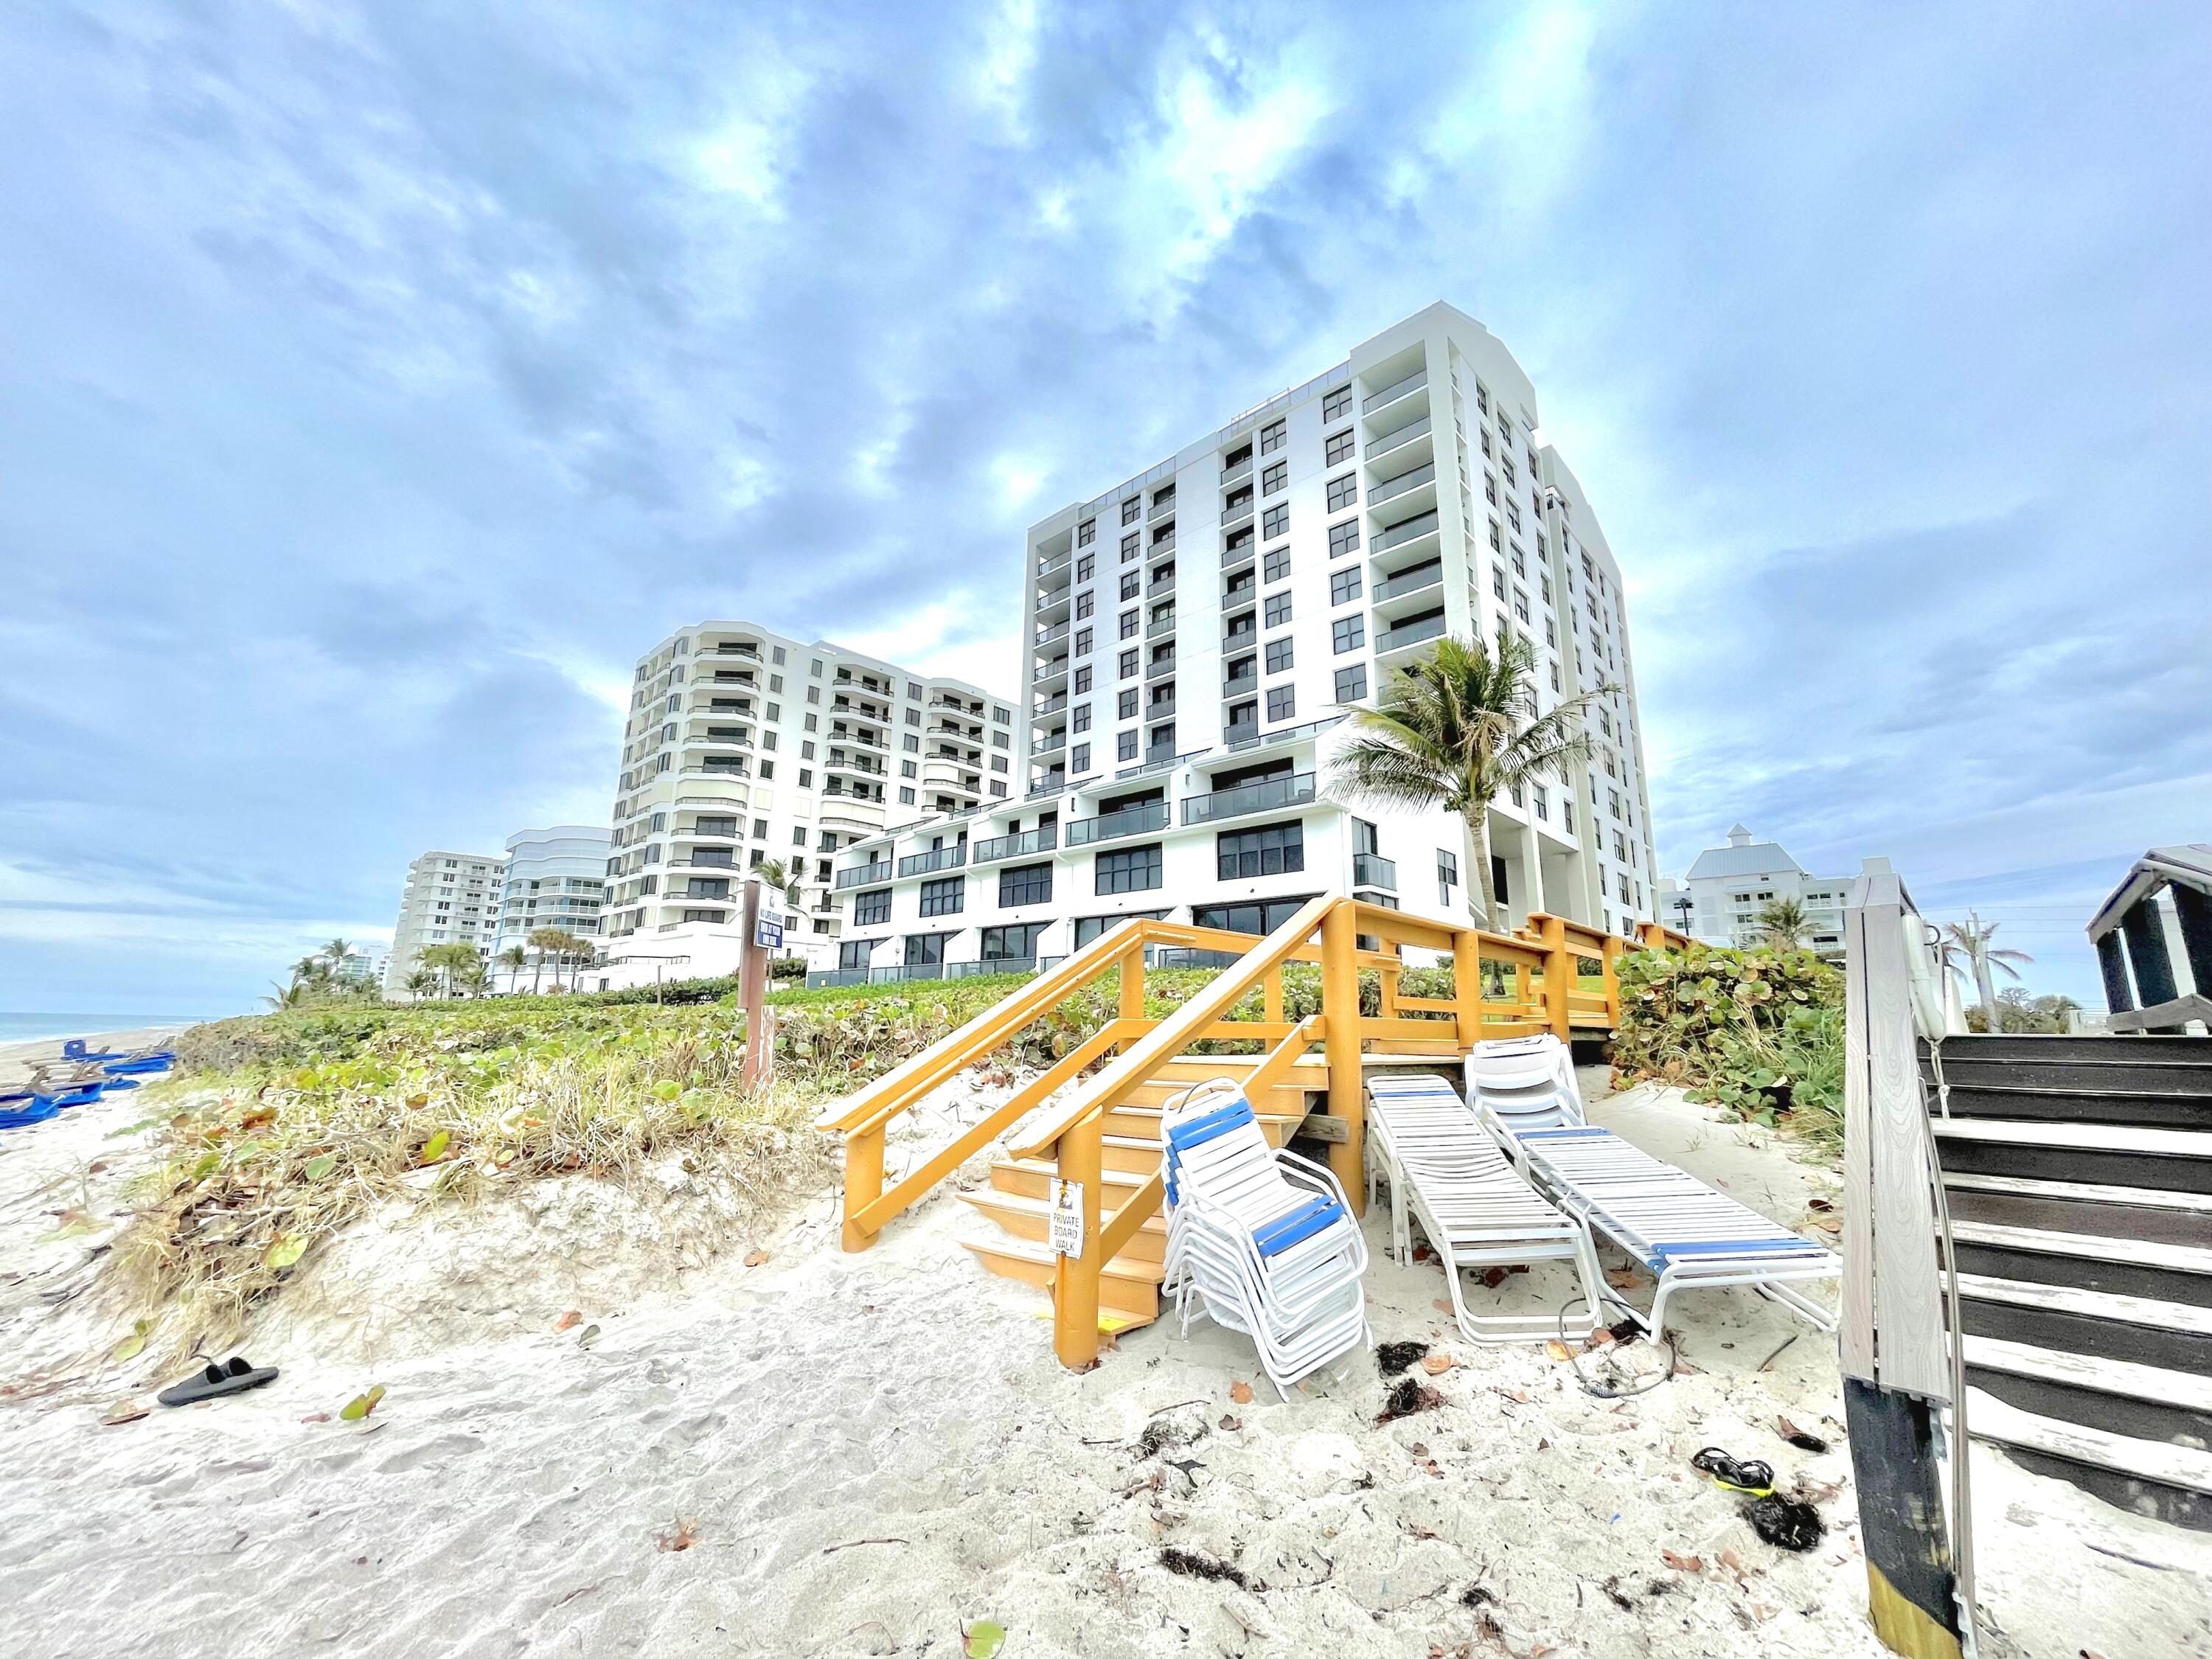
1075 1278
753 989
1467 986
1891 1336
1271 996
1132 982
1340 1000
864 1183
1388 989
1559 976
1609 965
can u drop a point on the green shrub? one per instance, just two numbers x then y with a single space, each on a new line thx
1757 1031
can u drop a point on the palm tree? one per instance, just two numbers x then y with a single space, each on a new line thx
335 951
1967 952
1456 729
543 939
1784 924
514 959
780 878
420 982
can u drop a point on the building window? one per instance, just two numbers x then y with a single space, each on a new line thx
1447 875
1012 943
1129 664
1082 722
945 898
1339 448
1262 916
1125 746
1276 565
1080 758
1125 704
853 953
1132 584
1026 883
1083 679
1275 521
1085 604
870 909
1278 610
1344 586
1274 850
1273 436
1348 633
906 797
1132 870
1337 404
1352 682
1280 655
1131 622
1086 531
1275 478
1132 508
1343 492
925 949
1282 703
1343 538
1497 582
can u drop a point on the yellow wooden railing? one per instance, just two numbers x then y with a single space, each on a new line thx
1539 968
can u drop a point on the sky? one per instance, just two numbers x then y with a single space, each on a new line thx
378 381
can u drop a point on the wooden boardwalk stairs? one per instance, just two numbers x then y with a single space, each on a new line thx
2077 1171
1092 1120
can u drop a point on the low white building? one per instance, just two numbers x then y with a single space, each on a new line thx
555 878
451 898
1719 901
1196 635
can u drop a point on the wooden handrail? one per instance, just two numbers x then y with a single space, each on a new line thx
871 1216
1136 1064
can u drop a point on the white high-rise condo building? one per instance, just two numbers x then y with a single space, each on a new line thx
555 878
451 898
1720 899
745 746
1195 634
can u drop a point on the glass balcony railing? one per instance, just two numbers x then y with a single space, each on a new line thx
1391 488
1400 439
866 875
944 858
1040 840
1373 870
1390 394
1114 826
1411 633
1412 529
1412 580
1267 795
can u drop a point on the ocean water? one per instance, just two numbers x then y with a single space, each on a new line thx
41 1028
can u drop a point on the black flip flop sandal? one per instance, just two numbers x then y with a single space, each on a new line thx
217 1381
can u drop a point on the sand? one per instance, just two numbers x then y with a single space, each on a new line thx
867 1451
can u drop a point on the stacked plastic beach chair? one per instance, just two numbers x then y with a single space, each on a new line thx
1260 1240
78 1079
1682 1233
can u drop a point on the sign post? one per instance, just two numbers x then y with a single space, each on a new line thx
764 932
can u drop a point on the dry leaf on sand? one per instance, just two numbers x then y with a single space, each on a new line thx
1241 1393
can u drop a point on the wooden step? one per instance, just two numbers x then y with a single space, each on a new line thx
2080 1206
2119 1267
1030 1219
2106 1376
1143 1123
1126 1287
2117 1155
2143 1330
1281 1100
2145 1402
2152 1478
1032 1177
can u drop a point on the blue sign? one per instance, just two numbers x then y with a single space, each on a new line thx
768 931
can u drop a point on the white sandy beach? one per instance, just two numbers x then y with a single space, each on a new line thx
871 1449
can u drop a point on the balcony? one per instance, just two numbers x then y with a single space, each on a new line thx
1052 566
1398 440
1239 552
866 875
1390 488
1163 543
749 653
1391 393
1161 709
1235 517
1239 732
1051 635
1051 705
1161 628
1163 581
1162 506
1116 826
1245 680
1411 580
1240 638
1046 672
1408 531
1269 795
1040 840
1373 870
1050 744
944 858
1410 633
1242 468
1160 665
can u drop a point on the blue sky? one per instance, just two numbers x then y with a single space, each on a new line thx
379 381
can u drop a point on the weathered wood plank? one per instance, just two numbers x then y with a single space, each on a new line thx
1855 1332
1909 1345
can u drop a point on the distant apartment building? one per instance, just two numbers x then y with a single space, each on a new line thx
745 746
554 878
1194 636
451 898
1719 901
